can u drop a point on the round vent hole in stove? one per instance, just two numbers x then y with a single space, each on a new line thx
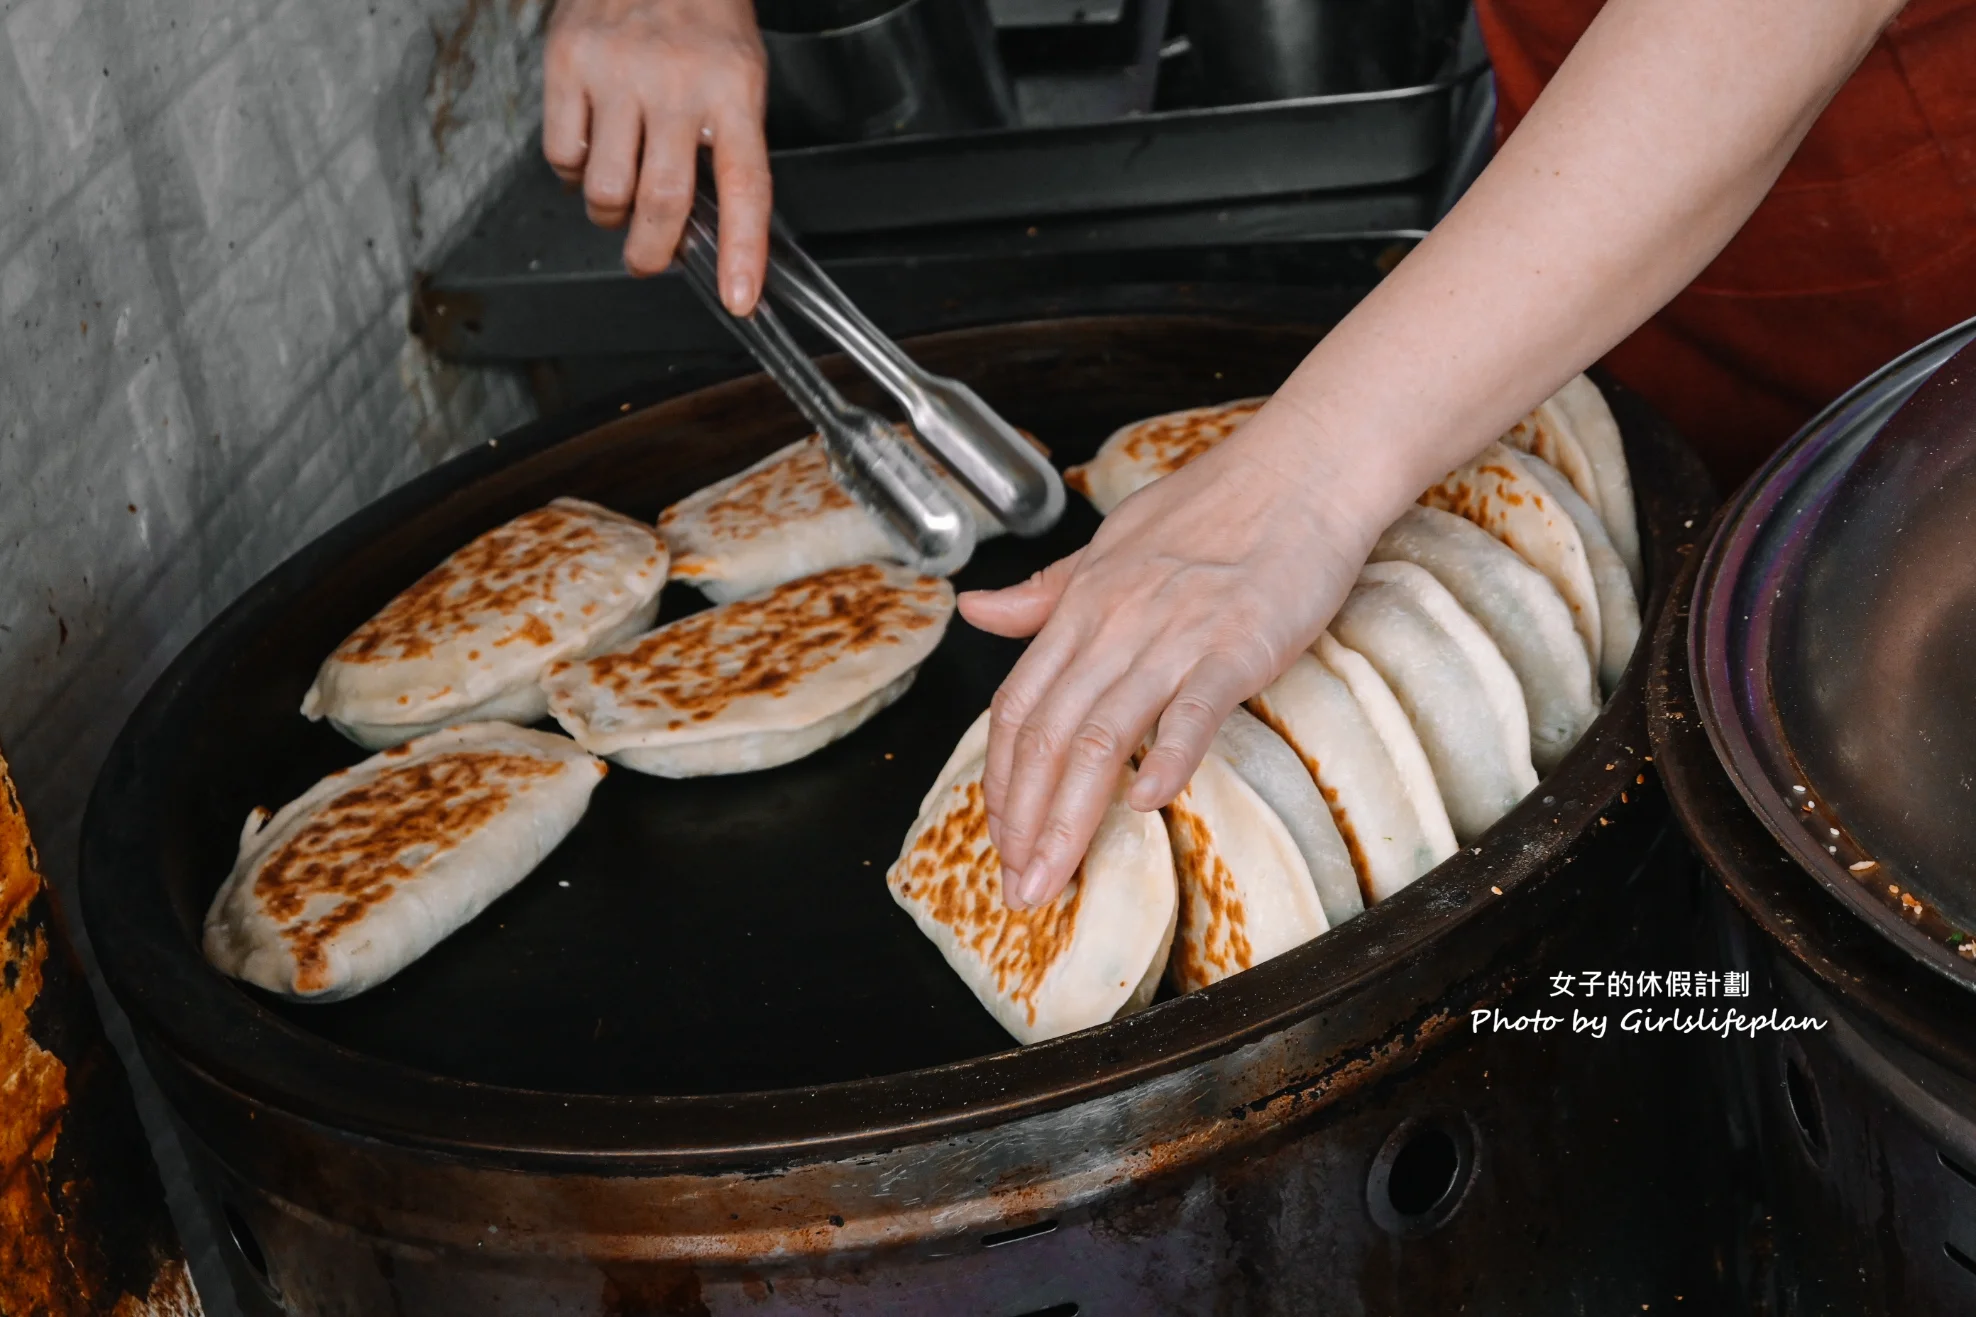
1421 1174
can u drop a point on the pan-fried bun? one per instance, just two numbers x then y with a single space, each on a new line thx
1317 715
1138 454
470 639
1389 721
370 868
1270 768
1522 612
973 745
1245 893
1095 952
1498 492
784 518
1548 435
1619 608
1459 693
758 682
1591 420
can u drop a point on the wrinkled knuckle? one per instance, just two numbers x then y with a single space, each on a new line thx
1059 839
1190 707
1007 710
1017 838
1038 740
1095 742
1235 650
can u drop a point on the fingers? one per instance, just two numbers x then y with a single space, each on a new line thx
741 178
1073 806
1020 610
665 192
1009 711
611 171
1063 743
1032 675
1187 727
1056 798
565 125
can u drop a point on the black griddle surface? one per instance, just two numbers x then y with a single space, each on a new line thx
716 935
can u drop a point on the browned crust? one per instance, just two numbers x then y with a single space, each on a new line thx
765 645
1211 939
506 571
376 835
954 874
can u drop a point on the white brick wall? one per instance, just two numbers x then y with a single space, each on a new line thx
210 212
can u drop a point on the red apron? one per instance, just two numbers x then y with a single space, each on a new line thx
1865 247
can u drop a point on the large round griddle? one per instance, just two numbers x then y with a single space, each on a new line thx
725 977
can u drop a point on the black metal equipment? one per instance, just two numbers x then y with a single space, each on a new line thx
846 70
1812 718
720 1072
1098 199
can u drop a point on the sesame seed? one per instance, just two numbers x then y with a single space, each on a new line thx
1863 866
1797 788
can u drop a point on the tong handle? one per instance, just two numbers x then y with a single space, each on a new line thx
919 514
1003 469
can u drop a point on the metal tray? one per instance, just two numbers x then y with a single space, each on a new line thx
1169 158
538 282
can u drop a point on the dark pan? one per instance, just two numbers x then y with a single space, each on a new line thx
727 936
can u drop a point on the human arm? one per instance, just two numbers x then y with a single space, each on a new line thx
630 91
1659 135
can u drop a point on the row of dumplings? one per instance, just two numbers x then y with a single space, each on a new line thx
1468 659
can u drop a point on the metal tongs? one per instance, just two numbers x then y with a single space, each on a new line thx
920 512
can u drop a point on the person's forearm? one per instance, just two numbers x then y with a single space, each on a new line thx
1661 133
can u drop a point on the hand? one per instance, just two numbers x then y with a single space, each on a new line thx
631 89
1195 594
